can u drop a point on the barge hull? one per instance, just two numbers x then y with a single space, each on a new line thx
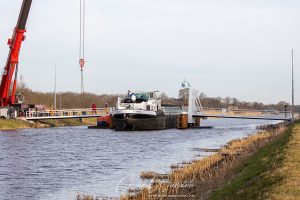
146 124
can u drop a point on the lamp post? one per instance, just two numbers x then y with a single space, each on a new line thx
292 85
55 88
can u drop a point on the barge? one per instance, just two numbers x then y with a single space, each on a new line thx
140 111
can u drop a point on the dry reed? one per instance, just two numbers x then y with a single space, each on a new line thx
154 175
197 179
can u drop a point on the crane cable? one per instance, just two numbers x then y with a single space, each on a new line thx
81 45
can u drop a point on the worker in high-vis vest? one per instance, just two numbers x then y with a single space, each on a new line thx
106 108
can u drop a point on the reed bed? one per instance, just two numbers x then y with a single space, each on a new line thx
154 175
99 197
85 197
197 179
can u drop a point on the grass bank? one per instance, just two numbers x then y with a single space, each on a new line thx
198 179
9 124
272 173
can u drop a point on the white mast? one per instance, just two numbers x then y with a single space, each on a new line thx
81 47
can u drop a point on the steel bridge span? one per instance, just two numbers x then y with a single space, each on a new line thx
67 114
200 113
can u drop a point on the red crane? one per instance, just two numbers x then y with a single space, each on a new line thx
8 85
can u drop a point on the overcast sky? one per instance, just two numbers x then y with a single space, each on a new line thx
238 48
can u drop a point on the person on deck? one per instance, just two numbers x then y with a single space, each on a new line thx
94 108
106 108
51 110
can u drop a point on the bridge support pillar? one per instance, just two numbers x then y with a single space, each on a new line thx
182 121
197 121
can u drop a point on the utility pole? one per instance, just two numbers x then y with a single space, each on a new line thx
55 89
292 84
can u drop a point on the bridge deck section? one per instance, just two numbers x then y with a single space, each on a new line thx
66 114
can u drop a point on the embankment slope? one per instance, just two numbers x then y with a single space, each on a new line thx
271 173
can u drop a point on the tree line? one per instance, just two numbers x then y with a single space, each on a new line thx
234 103
68 100
228 102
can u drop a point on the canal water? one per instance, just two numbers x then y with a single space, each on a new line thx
59 163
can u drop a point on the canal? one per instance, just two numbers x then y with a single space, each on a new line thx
59 163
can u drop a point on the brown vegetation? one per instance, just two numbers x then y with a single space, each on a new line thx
234 103
10 124
198 179
84 197
68 99
151 175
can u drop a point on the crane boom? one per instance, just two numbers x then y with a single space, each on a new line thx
11 67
